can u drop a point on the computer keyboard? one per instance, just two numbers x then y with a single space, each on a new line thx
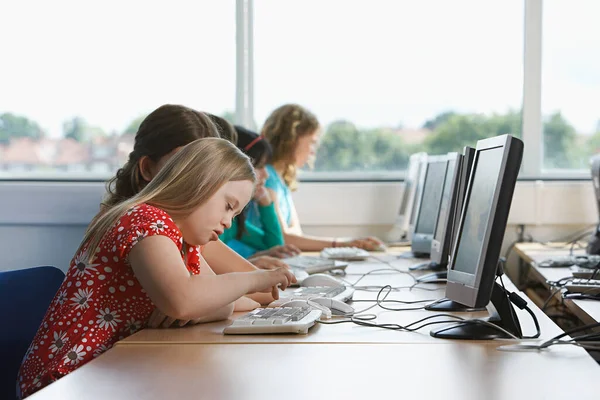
275 320
345 253
587 286
585 273
311 265
583 261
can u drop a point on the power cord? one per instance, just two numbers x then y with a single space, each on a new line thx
593 337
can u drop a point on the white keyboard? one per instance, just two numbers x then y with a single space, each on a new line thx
311 265
345 253
274 320
587 286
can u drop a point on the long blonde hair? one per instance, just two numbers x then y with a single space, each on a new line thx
186 181
282 129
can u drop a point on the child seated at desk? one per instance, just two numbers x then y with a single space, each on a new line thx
243 236
293 133
146 253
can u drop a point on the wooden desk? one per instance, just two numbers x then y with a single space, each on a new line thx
348 333
588 311
450 370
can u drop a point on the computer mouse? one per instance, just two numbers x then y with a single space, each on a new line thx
321 280
337 307
307 303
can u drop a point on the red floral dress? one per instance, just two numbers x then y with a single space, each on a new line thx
98 303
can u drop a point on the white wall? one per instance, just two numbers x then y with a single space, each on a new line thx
42 223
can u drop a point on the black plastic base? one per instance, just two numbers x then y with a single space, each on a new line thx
434 277
452 306
427 266
504 317
410 254
469 331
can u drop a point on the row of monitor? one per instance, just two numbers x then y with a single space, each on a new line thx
454 210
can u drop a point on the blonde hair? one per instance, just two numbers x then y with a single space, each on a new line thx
282 129
187 181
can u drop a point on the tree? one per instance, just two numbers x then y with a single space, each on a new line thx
14 126
346 148
559 142
78 129
432 124
454 131
134 125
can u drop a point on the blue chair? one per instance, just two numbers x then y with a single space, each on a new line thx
24 299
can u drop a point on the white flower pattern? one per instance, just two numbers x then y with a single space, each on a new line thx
132 325
61 297
81 298
82 268
75 355
101 349
108 319
60 339
159 225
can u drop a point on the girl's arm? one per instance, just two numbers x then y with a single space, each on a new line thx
223 260
158 266
270 235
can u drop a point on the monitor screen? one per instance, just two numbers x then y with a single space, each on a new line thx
445 205
430 199
477 212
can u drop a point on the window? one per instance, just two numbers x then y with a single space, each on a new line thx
78 77
570 84
387 79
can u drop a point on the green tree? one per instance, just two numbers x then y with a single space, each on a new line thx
432 124
14 126
134 125
78 129
454 131
559 142
346 148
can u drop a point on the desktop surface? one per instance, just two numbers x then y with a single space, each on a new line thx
467 371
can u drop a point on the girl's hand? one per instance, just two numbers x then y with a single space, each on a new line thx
245 304
283 251
160 320
266 262
368 243
271 281
261 196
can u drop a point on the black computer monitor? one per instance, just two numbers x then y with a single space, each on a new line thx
440 245
429 205
593 246
465 173
416 197
474 261
400 231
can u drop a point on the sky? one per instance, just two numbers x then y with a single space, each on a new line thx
376 63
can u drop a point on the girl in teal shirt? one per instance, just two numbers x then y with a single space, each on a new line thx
245 237
293 133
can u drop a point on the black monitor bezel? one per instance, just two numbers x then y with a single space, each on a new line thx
421 242
440 246
475 290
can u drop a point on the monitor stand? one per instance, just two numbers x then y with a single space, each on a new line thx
434 277
410 254
447 305
427 266
502 314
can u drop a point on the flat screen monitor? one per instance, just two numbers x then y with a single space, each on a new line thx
474 260
429 204
400 231
440 245
473 265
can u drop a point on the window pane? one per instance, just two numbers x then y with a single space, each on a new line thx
389 78
570 83
77 77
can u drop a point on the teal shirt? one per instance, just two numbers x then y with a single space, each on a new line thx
284 198
255 238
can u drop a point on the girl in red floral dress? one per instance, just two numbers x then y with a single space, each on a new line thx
144 253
